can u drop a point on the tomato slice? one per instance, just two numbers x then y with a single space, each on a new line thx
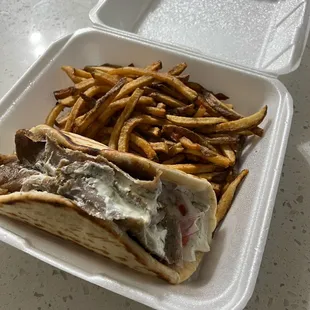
182 209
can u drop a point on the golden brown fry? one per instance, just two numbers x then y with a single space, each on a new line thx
188 144
161 105
69 101
228 152
130 125
164 77
51 118
150 131
241 124
160 147
124 117
99 68
218 160
78 106
178 69
200 112
195 122
100 106
111 110
82 73
193 168
153 111
174 160
144 145
176 149
70 72
155 66
171 102
104 77
228 196
134 84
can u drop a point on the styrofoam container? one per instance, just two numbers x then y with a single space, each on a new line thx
228 273
264 35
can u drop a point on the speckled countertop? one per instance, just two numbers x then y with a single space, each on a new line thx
26 29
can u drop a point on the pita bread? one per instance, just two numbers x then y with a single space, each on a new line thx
59 216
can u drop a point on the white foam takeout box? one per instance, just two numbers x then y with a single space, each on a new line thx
235 47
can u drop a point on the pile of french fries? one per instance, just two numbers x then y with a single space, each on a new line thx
162 116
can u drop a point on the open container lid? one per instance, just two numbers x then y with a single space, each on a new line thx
268 36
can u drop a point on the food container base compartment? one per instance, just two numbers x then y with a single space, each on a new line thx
228 273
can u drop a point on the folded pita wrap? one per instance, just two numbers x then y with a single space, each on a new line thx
141 214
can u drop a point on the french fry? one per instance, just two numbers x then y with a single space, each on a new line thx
130 125
171 102
160 147
150 131
218 160
221 139
193 168
200 112
111 110
99 68
144 145
166 90
104 77
241 124
75 111
177 132
188 144
228 196
69 101
178 69
176 149
153 111
131 86
82 73
174 160
51 118
100 106
71 74
228 152
195 122
123 117
164 77
157 65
